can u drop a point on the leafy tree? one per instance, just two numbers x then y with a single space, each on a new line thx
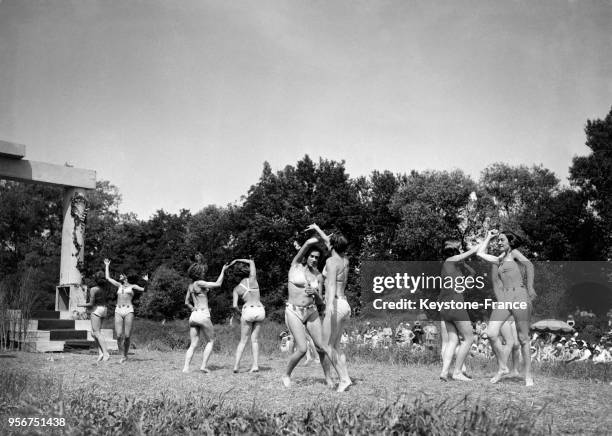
592 175
165 296
430 205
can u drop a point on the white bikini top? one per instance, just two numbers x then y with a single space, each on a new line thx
125 290
247 288
297 276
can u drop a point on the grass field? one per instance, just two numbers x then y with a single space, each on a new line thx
150 394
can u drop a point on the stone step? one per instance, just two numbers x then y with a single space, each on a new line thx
43 346
45 335
63 335
45 314
55 324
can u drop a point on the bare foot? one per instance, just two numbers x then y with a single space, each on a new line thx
343 385
286 380
513 374
330 383
185 370
100 357
205 370
459 376
254 369
500 374
123 360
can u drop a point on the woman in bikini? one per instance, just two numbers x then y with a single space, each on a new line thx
337 309
124 311
455 322
301 312
97 305
200 325
513 290
253 313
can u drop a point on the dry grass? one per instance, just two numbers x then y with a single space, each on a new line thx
152 378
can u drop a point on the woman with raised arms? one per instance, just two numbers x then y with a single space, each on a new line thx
455 322
251 316
337 309
304 286
200 324
513 290
124 311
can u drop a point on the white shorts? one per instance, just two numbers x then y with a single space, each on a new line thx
198 317
341 308
253 313
99 311
124 310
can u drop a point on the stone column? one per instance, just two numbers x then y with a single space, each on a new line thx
74 214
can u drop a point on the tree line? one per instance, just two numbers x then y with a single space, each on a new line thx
385 216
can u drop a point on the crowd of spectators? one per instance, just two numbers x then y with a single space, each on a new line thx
418 336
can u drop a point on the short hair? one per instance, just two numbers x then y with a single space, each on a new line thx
99 278
451 248
514 240
339 243
243 270
197 271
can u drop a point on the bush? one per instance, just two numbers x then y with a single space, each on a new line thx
165 297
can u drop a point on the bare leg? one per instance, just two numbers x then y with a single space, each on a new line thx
128 322
337 328
465 328
255 346
498 317
245 331
194 336
323 359
96 324
452 339
209 332
315 330
508 332
522 321
296 327
119 331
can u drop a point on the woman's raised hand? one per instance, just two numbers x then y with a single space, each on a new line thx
145 277
312 240
107 262
314 227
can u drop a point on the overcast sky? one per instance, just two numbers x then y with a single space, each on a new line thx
178 103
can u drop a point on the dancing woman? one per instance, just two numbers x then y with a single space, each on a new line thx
513 291
301 312
124 311
455 322
337 309
511 347
253 313
97 305
200 325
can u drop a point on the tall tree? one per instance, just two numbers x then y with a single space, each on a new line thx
592 175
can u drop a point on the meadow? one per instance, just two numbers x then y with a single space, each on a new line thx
395 392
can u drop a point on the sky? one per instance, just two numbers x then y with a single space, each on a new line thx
179 103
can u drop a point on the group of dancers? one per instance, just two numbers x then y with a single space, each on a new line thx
508 329
305 287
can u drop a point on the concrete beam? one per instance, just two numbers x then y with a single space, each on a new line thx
22 170
11 150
